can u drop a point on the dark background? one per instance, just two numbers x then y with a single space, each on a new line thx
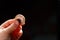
40 17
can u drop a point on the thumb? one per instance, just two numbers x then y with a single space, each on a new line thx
12 27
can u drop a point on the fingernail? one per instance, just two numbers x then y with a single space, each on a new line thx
16 23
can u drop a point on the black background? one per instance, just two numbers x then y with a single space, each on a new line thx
40 17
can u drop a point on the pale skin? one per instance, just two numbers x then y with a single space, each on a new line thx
5 32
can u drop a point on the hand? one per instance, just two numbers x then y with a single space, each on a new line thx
7 28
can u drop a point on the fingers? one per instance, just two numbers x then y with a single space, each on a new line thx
7 23
19 34
12 27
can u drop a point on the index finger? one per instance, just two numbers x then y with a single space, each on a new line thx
7 23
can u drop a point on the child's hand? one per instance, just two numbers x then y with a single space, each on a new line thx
9 28
5 32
